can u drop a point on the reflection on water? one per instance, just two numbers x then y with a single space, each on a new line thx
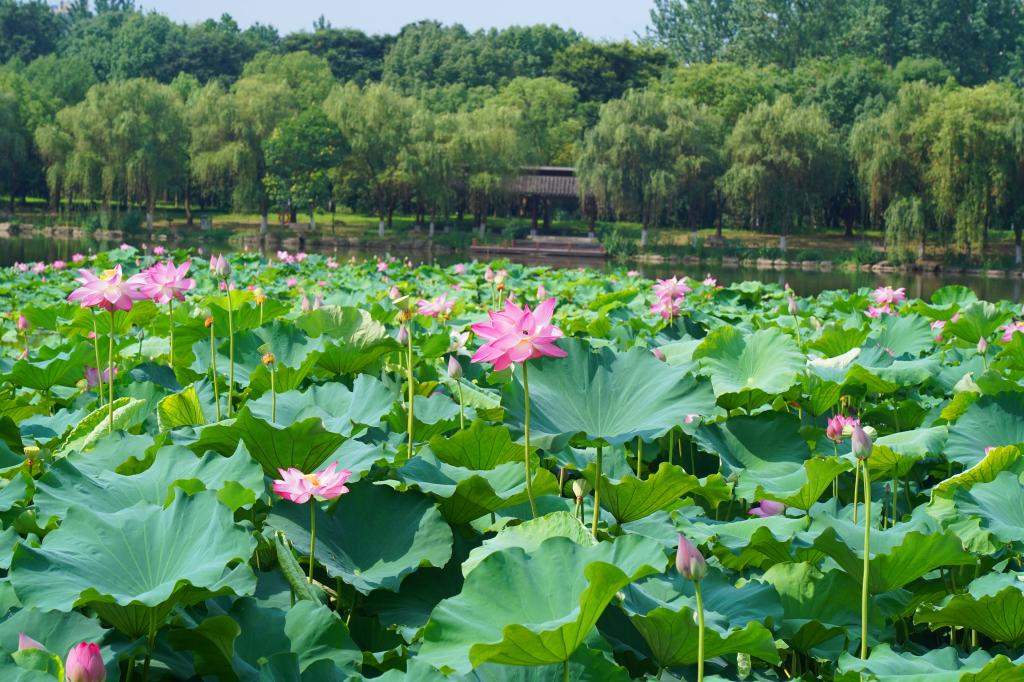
34 248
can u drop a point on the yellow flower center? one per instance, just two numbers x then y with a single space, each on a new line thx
313 479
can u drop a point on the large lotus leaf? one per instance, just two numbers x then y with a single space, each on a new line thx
938 665
194 405
605 396
903 335
465 494
894 455
630 498
817 607
586 665
750 540
874 369
63 369
535 608
819 473
304 445
766 451
356 341
996 460
998 506
97 424
72 482
663 610
899 555
748 369
138 563
340 409
530 535
978 319
481 446
991 421
993 605
56 631
373 538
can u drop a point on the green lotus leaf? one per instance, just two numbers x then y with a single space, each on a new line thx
340 409
748 369
530 535
304 444
991 421
818 608
766 451
977 319
903 334
465 494
836 339
874 369
939 665
63 369
586 665
481 446
899 555
663 610
192 406
56 631
373 537
549 600
749 541
354 341
97 424
819 473
74 482
998 505
993 605
629 498
604 396
996 460
137 564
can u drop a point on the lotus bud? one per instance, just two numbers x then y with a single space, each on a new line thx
22 324
689 561
580 488
835 427
454 368
403 335
861 443
541 292
208 322
658 353
25 643
269 359
306 306
982 345
394 294
220 267
793 310
85 664
766 508
318 301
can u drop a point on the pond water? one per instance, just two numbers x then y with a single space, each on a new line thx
36 248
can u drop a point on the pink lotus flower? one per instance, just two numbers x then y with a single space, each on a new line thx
167 281
285 257
22 325
766 508
77 258
488 274
439 305
126 247
159 250
874 312
710 281
1010 329
690 562
382 266
632 273
58 265
887 296
518 334
671 288
92 376
298 487
85 664
220 267
460 269
332 264
666 307
20 267
25 643
110 291
39 268
837 426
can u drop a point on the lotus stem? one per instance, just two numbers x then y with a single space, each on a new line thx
526 440
110 376
565 670
231 352
96 350
151 641
867 564
213 370
895 489
170 327
131 669
597 491
312 537
700 631
412 390
273 393
856 486
462 407
639 455
671 443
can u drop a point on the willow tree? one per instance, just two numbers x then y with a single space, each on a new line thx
785 163
430 166
377 123
890 155
14 144
646 154
973 159
127 142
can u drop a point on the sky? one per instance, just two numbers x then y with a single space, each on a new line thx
599 19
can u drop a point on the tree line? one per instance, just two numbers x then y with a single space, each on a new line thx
697 124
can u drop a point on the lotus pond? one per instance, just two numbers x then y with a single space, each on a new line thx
311 470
